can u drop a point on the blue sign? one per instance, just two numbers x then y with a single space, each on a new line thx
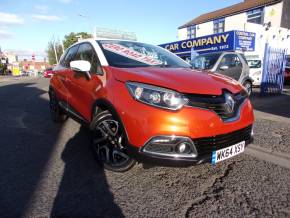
244 41
226 41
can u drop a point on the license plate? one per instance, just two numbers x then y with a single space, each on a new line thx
227 152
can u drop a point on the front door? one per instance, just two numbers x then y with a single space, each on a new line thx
83 89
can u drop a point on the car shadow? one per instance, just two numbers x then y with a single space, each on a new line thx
28 140
83 191
272 104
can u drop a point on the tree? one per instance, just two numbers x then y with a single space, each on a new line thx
67 42
73 38
51 52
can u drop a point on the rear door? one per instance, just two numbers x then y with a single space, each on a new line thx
83 89
231 65
63 72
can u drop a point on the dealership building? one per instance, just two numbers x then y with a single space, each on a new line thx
246 26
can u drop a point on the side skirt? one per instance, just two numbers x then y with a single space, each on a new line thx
72 113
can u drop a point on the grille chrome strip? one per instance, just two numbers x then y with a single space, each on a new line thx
218 104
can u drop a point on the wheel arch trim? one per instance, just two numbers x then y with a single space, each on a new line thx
109 106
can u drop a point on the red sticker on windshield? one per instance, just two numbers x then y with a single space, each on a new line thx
129 53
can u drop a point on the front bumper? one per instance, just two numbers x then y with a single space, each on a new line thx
204 148
142 122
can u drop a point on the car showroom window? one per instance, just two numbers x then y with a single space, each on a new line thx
70 55
86 52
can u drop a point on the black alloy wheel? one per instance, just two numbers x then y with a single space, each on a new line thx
109 143
248 87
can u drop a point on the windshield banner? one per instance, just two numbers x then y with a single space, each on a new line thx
132 54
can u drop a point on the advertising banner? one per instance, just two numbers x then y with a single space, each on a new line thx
244 41
226 41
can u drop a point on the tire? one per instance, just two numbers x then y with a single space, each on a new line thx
109 143
248 87
56 112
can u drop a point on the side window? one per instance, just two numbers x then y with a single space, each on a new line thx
86 52
230 61
70 54
61 60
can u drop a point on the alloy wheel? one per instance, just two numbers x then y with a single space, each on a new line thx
248 87
108 143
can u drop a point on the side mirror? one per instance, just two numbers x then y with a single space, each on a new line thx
81 66
225 67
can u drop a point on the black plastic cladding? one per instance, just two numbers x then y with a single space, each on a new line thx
216 103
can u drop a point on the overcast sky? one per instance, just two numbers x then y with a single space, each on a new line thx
29 25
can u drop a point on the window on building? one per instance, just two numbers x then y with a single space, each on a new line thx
191 32
255 16
219 26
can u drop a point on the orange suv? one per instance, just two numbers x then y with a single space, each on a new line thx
143 103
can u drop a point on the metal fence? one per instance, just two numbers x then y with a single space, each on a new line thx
273 70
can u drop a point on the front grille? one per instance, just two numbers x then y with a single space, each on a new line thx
217 103
207 145
159 148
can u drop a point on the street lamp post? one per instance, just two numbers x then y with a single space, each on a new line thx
90 24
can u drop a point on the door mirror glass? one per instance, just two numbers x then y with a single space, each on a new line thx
224 67
80 66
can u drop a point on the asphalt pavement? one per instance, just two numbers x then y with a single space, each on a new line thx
48 169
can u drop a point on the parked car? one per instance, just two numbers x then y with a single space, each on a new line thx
143 103
48 73
256 70
231 64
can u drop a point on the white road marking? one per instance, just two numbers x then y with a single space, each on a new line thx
280 159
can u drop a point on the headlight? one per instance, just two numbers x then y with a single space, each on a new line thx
257 73
156 96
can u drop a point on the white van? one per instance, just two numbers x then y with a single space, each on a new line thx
256 70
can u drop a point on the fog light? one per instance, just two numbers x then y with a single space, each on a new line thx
183 148
170 146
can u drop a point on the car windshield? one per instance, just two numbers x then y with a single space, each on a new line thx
205 61
125 54
254 63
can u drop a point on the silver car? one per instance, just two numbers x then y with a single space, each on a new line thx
232 64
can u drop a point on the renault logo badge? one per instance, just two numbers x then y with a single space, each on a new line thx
229 103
